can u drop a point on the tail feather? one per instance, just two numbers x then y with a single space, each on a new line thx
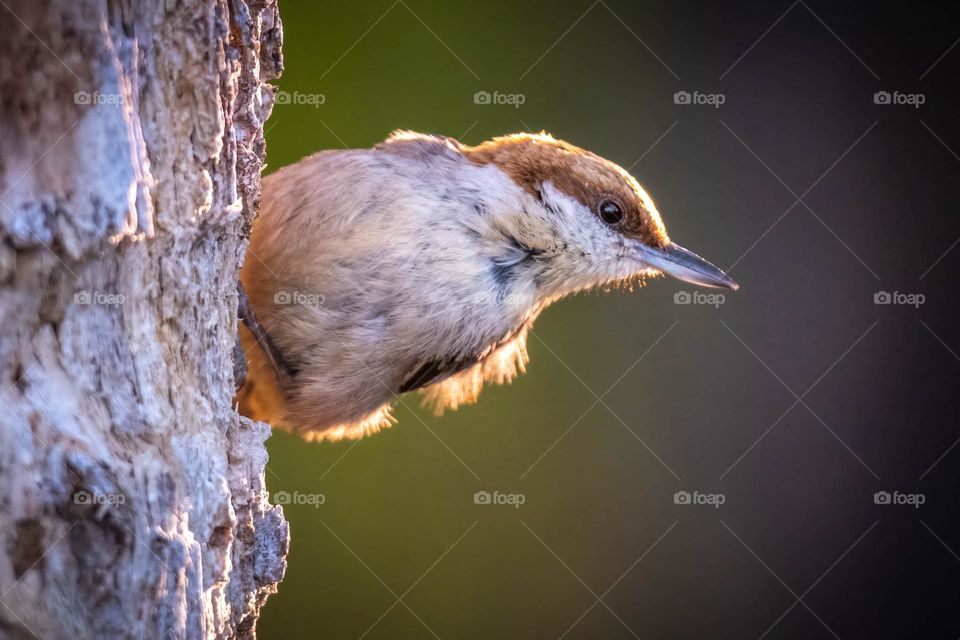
260 397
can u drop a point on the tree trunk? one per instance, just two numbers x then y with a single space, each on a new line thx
132 500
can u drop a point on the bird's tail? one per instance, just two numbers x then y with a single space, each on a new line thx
260 397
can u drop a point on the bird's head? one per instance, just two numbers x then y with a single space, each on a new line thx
588 222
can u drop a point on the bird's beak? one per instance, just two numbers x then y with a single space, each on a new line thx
685 265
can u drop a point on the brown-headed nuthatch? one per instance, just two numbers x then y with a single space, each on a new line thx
421 264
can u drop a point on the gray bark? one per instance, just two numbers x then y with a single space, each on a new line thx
132 500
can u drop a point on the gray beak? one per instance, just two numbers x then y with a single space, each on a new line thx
685 265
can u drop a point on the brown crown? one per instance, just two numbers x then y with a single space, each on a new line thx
533 159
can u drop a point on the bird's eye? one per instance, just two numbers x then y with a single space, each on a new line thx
610 212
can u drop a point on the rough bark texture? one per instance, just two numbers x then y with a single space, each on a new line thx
132 500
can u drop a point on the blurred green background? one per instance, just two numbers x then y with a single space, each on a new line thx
685 404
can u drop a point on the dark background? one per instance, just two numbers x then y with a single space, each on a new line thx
712 407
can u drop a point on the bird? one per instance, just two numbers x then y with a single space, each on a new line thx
420 265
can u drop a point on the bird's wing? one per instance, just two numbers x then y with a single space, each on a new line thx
427 150
460 382
436 370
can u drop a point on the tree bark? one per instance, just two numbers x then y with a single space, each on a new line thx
132 500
